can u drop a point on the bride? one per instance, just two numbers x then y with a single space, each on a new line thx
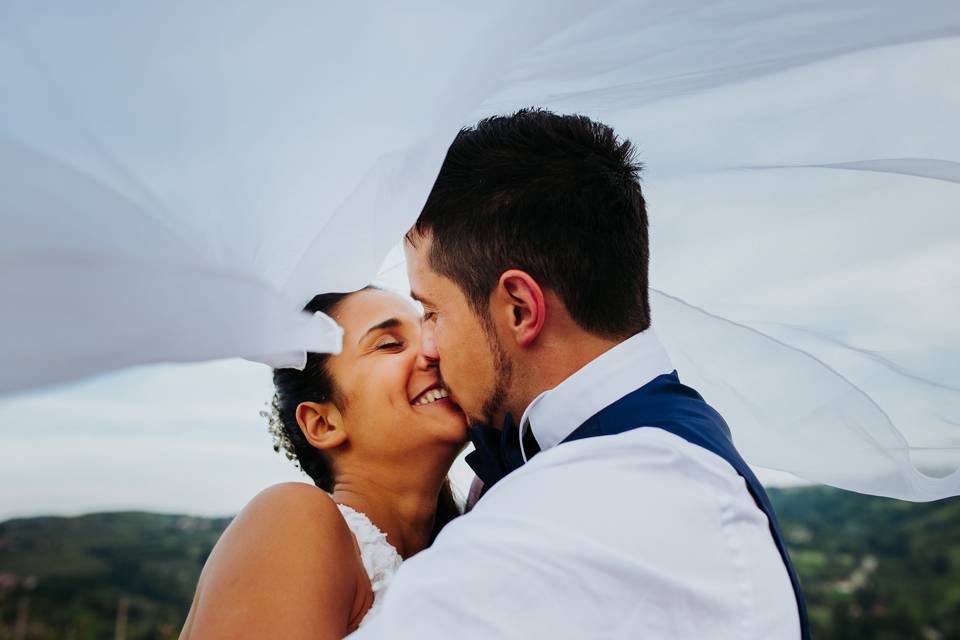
374 428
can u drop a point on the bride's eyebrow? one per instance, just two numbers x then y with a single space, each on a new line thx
392 323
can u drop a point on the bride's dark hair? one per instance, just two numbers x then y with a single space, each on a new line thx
316 384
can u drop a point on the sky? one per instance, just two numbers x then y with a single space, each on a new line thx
801 171
169 438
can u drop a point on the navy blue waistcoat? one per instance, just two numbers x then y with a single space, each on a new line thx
666 404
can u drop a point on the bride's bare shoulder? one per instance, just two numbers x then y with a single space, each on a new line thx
291 512
294 501
288 556
289 519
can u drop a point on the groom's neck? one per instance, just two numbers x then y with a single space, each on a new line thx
558 353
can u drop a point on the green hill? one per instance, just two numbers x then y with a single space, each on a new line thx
82 568
871 567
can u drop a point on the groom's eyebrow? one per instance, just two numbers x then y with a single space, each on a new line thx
392 323
419 298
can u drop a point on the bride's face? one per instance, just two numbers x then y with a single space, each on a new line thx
391 396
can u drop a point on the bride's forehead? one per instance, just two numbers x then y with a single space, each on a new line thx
367 308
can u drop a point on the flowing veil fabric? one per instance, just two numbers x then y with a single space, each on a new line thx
177 180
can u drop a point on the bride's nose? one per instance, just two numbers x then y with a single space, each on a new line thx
425 363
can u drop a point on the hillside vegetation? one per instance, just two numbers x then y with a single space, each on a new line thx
872 568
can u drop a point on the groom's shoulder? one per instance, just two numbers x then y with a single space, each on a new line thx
638 452
646 479
651 469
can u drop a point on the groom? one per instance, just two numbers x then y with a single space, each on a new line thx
615 504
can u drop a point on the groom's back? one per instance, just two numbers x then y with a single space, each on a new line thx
639 534
530 258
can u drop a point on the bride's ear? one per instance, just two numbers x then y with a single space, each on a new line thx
321 424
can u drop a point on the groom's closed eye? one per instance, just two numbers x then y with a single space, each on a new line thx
422 302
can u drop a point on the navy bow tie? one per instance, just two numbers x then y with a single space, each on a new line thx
497 451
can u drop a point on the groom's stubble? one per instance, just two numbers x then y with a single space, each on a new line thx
502 374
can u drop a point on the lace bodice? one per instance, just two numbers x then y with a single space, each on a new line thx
379 557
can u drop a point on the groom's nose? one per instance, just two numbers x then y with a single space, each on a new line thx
428 343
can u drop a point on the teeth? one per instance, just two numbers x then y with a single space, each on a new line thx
432 396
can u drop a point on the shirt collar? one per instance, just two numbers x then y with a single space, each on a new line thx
557 412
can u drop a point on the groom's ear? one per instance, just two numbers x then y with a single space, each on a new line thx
520 301
321 424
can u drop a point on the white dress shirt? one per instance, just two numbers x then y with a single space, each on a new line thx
635 535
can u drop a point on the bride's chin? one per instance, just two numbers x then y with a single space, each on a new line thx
449 415
450 425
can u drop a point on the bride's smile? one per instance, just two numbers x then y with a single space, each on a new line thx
388 386
432 395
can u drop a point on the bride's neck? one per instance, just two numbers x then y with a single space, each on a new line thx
405 513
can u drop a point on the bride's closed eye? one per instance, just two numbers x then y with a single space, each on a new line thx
389 343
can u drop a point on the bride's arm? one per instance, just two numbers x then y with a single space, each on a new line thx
286 567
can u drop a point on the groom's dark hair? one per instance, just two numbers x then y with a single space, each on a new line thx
557 196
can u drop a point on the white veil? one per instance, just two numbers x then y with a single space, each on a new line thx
177 180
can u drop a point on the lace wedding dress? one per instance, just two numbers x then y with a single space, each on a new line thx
379 557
